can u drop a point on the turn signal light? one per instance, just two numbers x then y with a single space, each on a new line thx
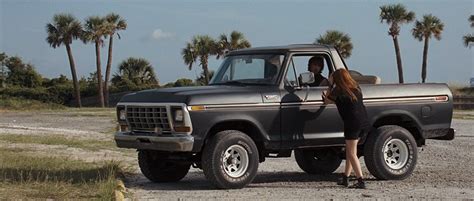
183 129
196 108
441 98
123 128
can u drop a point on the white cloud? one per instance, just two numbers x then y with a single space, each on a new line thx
159 34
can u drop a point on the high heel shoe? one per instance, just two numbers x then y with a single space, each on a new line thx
359 185
344 181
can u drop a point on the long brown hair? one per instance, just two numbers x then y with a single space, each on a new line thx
344 83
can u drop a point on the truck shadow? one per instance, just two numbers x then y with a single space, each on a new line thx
197 181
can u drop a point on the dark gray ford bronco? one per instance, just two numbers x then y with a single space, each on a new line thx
260 104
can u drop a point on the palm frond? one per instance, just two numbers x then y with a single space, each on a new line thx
341 41
468 39
429 26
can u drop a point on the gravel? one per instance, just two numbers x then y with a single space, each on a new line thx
444 170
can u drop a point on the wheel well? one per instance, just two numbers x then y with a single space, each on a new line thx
405 122
244 126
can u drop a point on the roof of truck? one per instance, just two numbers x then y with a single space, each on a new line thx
281 49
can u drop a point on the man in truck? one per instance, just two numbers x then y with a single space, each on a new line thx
316 66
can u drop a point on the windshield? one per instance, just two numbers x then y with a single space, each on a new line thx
262 69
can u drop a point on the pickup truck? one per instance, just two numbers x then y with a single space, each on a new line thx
259 104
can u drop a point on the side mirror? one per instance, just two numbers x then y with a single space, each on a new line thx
306 78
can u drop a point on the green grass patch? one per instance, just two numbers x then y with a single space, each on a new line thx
92 145
23 176
15 103
463 116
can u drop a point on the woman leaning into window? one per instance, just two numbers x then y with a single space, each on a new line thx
347 95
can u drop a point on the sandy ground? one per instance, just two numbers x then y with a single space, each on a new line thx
445 169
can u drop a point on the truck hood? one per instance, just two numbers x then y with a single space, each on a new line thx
209 95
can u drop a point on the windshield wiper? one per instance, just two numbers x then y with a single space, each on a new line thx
234 82
229 82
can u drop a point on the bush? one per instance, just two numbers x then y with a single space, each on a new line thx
15 103
466 91
59 94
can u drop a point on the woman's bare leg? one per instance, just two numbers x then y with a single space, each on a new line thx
351 149
348 168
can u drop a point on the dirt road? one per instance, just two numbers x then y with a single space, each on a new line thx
444 170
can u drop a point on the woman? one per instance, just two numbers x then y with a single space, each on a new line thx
345 92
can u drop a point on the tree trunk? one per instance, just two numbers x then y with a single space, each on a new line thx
399 59
107 71
204 61
74 76
99 74
425 60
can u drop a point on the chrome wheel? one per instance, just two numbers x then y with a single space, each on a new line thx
235 161
395 153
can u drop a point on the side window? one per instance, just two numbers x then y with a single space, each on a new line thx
321 71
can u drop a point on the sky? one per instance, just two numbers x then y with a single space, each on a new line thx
158 30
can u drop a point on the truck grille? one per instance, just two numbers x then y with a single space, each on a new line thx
148 118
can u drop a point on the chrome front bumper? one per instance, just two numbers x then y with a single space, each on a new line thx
175 142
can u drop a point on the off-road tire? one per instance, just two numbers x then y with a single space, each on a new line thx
158 170
214 165
374 152
318 161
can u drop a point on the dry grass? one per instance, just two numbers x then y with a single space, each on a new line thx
92 145
462 114
23 176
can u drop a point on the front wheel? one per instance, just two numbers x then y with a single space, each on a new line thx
230 160
390 153
320 161
158 170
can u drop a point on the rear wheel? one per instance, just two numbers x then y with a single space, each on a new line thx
158 170
320 161
390 153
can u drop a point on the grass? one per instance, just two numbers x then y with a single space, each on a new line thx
15 103
23 176
92 145
21 104
466 116
91 112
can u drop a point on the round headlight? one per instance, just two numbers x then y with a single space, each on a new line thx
122 115
178 115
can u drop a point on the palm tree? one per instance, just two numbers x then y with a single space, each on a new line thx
200 48
137 70
200 80
115 24
235 41
62 31
429 26
95 30
396 15
469 38
341 41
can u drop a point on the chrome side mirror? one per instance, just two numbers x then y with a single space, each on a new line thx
306 78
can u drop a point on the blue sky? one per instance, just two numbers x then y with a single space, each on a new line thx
158 30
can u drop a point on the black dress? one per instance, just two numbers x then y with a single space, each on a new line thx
353 113
318 80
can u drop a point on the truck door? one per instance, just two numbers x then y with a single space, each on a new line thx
310 122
